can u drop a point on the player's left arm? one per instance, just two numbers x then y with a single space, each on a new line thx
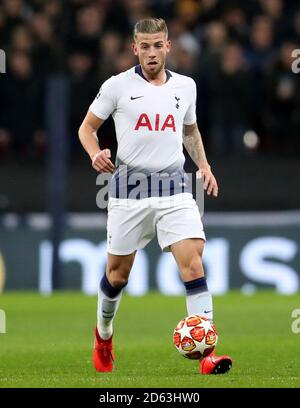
192 141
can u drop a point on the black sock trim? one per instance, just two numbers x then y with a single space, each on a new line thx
109 290
196 286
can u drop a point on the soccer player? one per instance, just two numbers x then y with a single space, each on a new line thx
154 115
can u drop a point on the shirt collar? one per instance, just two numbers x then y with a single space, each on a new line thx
138 70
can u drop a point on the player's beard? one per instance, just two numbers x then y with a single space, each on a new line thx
155 70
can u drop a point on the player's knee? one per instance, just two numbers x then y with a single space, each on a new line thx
194 269
118 277
118 273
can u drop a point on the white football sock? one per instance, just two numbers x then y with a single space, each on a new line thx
198 298
107 309
200 304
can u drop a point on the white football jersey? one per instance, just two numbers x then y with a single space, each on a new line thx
148 119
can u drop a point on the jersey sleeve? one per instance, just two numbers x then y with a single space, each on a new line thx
105 102
190 117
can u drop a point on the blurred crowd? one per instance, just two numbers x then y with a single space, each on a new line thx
238 52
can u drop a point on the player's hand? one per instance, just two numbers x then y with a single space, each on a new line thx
210 183
101 162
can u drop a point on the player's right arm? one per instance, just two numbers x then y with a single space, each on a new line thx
89 140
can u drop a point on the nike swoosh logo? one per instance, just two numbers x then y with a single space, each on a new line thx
207 311
136 97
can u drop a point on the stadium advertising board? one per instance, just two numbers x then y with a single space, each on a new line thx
246 252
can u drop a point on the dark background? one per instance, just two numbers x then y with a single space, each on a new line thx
239 54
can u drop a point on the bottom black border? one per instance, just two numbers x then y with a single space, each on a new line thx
93 397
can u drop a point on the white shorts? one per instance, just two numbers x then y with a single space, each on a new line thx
131 224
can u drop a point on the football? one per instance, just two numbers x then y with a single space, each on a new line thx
195 337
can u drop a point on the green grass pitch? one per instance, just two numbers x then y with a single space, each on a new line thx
49 342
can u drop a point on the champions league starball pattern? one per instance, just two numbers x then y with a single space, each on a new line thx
195 337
